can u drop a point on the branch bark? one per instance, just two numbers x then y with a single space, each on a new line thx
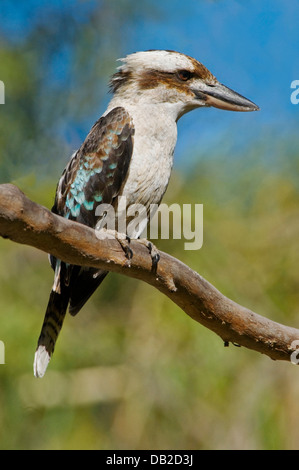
26 222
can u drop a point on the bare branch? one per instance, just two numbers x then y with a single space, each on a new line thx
26 222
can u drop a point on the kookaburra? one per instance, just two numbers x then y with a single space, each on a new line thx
128 152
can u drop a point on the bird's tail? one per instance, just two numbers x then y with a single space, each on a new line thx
72 286
55 313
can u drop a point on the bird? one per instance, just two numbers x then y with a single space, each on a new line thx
128 152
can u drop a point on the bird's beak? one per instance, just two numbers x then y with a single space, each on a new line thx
222 97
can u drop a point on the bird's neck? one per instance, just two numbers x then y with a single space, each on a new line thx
149 103
154 123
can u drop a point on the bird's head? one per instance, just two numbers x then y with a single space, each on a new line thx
170 77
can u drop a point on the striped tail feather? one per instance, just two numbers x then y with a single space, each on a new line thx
52 325
72 287
53 321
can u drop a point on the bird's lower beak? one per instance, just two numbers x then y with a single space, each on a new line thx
222 97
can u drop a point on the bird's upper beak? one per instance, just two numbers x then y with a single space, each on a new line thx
222 97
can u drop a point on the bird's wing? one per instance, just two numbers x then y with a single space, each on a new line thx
95 175
97 171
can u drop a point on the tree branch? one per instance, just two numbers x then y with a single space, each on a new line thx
26 222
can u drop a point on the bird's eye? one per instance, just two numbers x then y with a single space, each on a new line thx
184 75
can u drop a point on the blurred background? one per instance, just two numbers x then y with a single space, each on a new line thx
132 371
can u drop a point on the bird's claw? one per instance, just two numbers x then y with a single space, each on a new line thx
124 243
153 252
122 239
155 255
125 240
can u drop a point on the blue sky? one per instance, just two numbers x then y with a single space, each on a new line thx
250 46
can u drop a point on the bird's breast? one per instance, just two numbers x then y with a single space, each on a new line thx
148 176
152 160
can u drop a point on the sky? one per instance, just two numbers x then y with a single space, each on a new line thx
250 46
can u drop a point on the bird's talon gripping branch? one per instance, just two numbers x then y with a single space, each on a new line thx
154 252
123 239
124 243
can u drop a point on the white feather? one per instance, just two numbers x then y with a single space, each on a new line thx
41 361
166 61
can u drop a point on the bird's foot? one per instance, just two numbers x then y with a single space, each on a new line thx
122 239
124 242
153 250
